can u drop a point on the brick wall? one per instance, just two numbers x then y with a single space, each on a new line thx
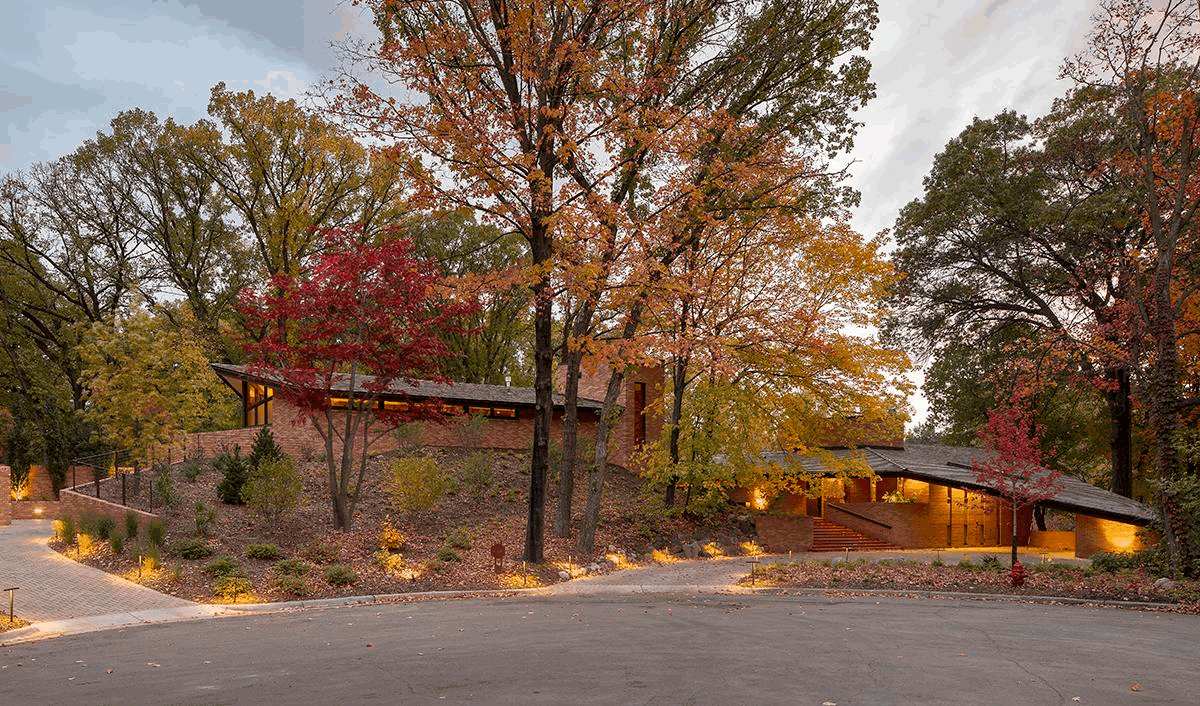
1061 540
302 440
5 501
593 384
1094 535
784 534
72 504
966 520
40 485
35 509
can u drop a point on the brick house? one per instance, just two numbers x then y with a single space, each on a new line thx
507 415
926 496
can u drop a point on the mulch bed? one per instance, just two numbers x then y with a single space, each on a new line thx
495 515
1052 580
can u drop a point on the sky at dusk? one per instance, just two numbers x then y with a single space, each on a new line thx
68 67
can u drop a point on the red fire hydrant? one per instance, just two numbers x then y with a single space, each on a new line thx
1017 574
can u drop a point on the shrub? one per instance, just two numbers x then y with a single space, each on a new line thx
416 483
321 552
389 562
230 587
477 474
131 525
273 488
156 533
163 486
990 562
234 472
206 517
291 567
268 552
105 527
340 575
459 538
264 449
85 543
225 566
437 566
448 554
117 542
1150 560
390 538
293 585
966 564
192 467
64 529
191 549
149 560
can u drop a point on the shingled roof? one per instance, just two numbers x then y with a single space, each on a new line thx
952 466
459 392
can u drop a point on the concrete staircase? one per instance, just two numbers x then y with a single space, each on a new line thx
832 537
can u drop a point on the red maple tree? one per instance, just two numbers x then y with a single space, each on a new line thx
364 317
1012 465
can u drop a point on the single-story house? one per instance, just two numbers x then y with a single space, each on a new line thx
927 496
507 414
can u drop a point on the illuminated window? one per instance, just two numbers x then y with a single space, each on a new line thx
505 412
257 403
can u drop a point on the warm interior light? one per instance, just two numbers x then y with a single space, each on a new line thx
758 500
1119 536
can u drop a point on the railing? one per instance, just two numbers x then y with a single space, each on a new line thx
859 515
116 477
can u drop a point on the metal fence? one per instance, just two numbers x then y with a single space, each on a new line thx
122 478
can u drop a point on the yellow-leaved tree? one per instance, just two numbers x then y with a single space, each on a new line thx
148 381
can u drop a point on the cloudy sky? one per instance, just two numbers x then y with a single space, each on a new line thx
68 67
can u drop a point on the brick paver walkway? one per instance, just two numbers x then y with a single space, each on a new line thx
52 587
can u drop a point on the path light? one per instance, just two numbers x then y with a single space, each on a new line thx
11 619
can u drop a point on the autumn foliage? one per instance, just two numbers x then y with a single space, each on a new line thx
1013 464
363 318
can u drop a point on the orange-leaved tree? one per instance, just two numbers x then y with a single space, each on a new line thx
609 134
365 317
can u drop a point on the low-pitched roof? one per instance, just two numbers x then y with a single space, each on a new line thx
458 392
952 466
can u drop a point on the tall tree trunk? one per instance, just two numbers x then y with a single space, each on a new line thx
608 417
570 442
543 389
1120 410
678 383
573 355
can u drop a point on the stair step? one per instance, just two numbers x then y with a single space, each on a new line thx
829 536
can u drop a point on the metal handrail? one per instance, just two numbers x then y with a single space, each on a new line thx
860 516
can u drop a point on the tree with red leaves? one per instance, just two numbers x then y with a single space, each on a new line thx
364 317
1013 462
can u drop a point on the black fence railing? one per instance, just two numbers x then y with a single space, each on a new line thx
122 478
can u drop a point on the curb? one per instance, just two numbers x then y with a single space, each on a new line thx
200 611
1005 597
